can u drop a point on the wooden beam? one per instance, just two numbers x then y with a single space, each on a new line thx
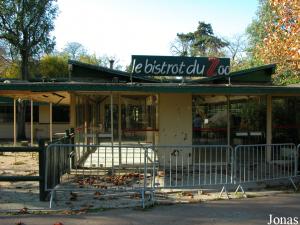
31 122
15 122
50 127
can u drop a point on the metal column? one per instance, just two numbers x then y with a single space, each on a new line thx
31 122
15 123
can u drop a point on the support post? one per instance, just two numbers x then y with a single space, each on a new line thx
112 130
50 123
15 123
31 122
120 129
42 167
72 110
228 120
269 126
85 121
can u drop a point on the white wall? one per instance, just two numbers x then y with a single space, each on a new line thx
175 124
39 130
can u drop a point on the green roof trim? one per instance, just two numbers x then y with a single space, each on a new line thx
87 72
259 75
153 88
83 72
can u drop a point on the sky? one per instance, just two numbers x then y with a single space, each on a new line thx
121 28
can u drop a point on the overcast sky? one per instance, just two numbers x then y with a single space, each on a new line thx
123 28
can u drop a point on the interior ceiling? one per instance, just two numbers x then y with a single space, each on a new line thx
222 99
58 97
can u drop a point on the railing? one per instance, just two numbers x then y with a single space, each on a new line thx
59 160
106 168
40 178
297 164
111 169
209 136
254 163
193 166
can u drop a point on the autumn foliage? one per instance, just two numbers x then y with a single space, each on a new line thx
281 44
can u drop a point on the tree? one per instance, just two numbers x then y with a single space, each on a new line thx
90 59
275 37
201 42
75 50
54 66
181 46
4 62
26 26
256 30
236 50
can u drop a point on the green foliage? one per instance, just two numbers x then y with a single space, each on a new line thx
26 25
273 38
90 59
253 114
54 66
256 30
201 42
12 71
287 77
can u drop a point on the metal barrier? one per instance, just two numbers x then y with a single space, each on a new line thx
257 163
112 169
180 167
40 178
107 169
298 160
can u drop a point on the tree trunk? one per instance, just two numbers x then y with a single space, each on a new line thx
21 110
24 65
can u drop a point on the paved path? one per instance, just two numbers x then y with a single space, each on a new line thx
243 211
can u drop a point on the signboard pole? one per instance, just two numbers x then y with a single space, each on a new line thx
132 70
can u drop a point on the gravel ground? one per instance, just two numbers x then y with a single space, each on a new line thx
249 211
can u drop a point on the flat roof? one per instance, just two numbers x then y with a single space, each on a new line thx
149 87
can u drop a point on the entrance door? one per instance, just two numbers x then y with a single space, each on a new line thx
209 120
93 119
138 119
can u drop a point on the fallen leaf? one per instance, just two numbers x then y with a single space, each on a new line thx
58 223
20 223
23 211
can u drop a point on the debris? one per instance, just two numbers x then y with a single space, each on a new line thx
188 194
58 223
20 223
97 193
73 196
136 195
23 211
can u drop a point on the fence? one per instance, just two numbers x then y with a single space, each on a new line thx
113 169
254 163
40 178
106 169
193 166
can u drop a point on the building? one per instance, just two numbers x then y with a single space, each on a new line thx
196 125
240 108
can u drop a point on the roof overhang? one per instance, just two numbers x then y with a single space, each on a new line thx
55 97
39 89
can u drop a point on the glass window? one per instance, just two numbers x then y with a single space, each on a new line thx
6 113
209 119
35 113
285 119
248 119
61 113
